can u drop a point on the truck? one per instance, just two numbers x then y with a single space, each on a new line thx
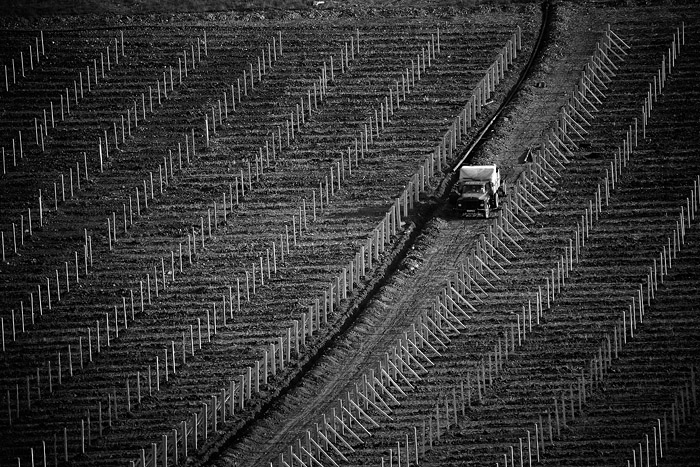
477 190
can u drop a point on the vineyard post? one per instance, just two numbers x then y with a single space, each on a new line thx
520 440
264 369
65 444
296 336
42 129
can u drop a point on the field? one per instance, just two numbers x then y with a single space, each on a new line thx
232 270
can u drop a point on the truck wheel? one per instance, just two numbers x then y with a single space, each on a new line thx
487 210
495 201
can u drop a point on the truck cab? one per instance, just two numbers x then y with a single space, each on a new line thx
477 190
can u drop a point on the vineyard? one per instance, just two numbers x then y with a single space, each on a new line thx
228 242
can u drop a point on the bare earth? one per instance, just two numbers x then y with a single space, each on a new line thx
441 249
386 303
